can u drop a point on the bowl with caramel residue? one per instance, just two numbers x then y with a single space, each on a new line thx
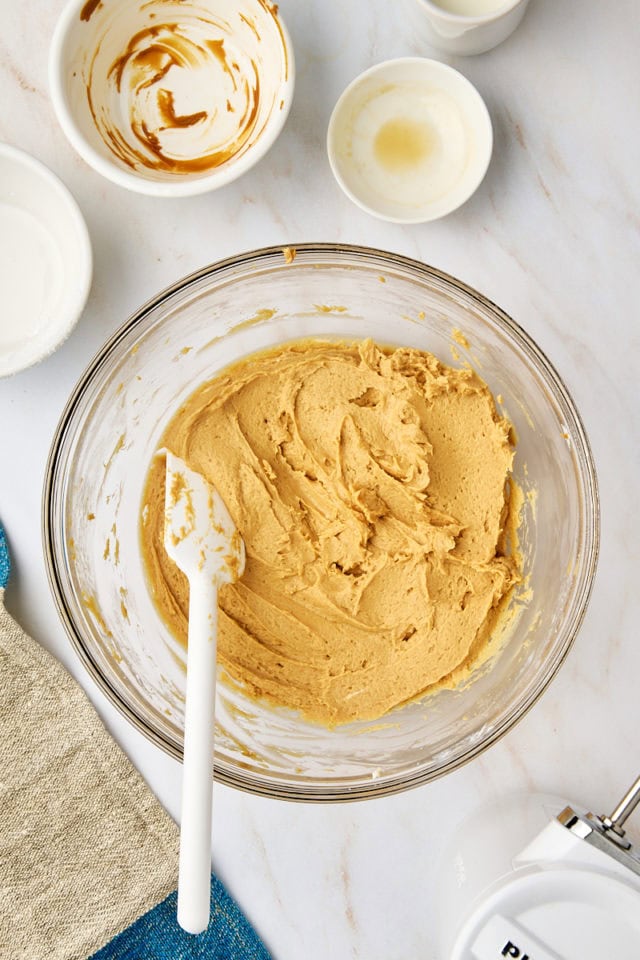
171 98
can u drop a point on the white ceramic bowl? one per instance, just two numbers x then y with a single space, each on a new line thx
45 261
171 99
410 140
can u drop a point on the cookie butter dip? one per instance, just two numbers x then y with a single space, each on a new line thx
370 487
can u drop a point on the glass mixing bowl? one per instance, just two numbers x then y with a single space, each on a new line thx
109 432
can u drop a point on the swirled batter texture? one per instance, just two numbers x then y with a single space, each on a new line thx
369 486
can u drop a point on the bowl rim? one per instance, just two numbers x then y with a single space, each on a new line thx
434 67
335 790
472 19
31 167
139 182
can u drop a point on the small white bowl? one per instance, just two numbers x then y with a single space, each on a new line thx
465 27
171 99
45 261
410 140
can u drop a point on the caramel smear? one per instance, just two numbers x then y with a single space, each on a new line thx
89 9
184 95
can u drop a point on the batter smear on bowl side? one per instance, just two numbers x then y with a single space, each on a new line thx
371 488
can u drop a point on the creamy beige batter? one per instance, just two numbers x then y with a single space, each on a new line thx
370 486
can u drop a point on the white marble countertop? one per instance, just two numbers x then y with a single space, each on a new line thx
553 236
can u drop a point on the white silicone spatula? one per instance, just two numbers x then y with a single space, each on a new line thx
202 540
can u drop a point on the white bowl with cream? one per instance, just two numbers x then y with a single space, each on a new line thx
410 140
171 98
45 261
465 26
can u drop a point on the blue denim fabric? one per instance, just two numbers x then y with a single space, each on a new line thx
5 564
156 934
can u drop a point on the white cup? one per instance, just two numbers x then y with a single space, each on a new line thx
466 26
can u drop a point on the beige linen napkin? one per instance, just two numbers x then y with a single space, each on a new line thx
85 848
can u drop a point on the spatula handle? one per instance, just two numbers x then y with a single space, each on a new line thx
194 878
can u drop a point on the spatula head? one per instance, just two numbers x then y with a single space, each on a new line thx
199 534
